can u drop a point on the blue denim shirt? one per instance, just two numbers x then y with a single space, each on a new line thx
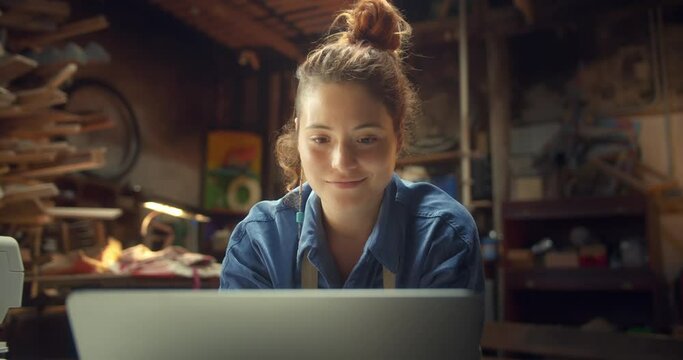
422 235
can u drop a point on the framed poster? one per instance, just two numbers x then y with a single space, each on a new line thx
232 179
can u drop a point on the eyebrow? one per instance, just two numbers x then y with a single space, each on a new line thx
359 127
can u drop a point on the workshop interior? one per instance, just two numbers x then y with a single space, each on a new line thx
136 134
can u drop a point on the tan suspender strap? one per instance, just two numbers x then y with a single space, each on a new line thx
388 278
309 274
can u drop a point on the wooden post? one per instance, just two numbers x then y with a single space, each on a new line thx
499 122
37 241
465 161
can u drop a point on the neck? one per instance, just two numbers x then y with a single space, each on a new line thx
351 224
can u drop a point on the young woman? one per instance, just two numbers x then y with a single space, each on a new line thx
351 222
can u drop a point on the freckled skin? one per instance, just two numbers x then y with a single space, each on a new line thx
347 143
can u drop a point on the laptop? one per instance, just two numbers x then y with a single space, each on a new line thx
276 324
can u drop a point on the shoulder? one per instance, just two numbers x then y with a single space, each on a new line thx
265 218
432 207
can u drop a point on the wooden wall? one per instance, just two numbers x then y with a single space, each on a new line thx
179 84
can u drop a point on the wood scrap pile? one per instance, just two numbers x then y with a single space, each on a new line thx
34 131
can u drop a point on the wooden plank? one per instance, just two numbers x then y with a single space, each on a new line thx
27 158
66 73
6 97
38 97
580 279
48 116
67 31
16 193
102 124
577 207
574 343
54 9
22 21
14 66
47 131
38 103
85 160
84 213
27 146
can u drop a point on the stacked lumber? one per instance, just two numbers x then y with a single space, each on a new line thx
34 130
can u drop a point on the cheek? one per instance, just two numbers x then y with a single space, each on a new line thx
312 159
383 156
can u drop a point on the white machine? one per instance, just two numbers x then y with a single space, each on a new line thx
11 279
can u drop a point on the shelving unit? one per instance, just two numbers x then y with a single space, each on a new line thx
625 296
435 158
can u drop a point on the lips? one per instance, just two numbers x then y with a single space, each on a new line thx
346 184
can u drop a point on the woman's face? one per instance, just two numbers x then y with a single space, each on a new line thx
347 143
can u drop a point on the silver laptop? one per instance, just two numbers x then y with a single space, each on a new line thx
276 324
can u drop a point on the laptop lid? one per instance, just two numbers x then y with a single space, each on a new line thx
276 324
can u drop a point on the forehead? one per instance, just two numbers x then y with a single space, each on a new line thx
327 102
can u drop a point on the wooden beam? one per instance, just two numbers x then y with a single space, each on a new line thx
314 22
261 34
304 15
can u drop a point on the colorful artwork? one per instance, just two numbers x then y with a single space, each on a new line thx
233 171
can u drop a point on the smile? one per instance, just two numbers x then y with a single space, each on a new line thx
346 184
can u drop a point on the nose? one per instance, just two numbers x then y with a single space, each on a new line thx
344 157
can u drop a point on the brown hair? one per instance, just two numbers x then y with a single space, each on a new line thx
368 50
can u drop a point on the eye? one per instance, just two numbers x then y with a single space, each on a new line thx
319 139
367 140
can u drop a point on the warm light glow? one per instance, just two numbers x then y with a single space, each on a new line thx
108 257
202 218
111 253
166 209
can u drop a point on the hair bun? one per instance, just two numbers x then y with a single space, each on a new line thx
378 23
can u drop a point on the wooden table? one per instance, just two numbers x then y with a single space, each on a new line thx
113 281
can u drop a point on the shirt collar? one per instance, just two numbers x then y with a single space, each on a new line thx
384 242
386 237
313 240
